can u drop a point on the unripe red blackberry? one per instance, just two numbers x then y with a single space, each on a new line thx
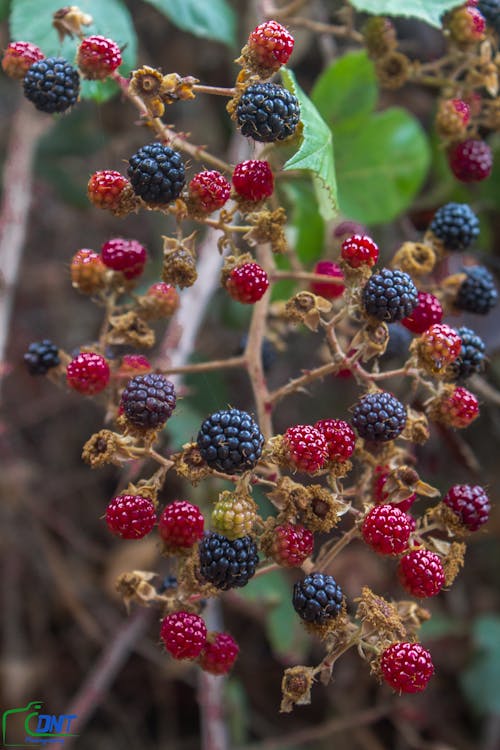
134 364
406 667
253 180
131 516
270 45
162 300
19 57
148 400
127 256
234 516
181 525
340 438
98 57
88 373
323 288
471 160
87 271
184 634
219 653
438 347
291 545
387 529
307 448
470 503
466 25
359 250
452 118
427 313
457 408
209 191
247 283
421 573
111 191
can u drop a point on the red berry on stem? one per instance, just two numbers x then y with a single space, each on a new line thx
270 45
421 573
88 373
387 529
427 312
105 189
19 57
439 346
323 288
470 503
127 256
471 160
247 283
98 57
340 438
407 667
130 516
184 635
181 525
87 271
166 298
307 447
291 545
459 408
209 191
359 250
134 364
219 653
253 180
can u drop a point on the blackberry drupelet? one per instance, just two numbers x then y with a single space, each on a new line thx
390 295
379 416
267 112
478 293
230 441
148 400
456 225
317 598
471 359
227 564
52 84
491 11
41 357
157 173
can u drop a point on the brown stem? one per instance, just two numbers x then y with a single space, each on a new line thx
324 560
309 377
306 276
216 364
216 90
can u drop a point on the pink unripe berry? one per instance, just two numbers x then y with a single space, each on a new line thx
127 256
184 635
88 373
406 667
130 516
324 288
253 180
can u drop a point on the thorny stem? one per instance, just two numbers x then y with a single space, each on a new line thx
216 364
297 383
216 90
110 308
325 559
166 133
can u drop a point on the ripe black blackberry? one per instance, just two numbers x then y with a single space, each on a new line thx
456 225
317 598
390 295
267 112
148 400
478 293
41 357
227 564
471 359
491 11
156 173
230 441
379 416
52 84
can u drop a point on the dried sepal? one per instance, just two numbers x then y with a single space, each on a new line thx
190 465
417 427
106 447
269 226
376 613
296 687
453 562
130 328
415 258
135 586
306 308
371 340
179 266
68 21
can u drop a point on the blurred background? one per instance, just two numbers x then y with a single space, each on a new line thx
66 638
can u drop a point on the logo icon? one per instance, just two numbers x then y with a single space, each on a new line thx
38 728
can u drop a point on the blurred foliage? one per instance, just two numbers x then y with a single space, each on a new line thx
427 10
209 20
480 680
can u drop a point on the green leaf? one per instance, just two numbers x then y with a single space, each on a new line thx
273 592
381 166
315 154
32 20
427 10
306 229
480 680
210 20
4 9
346 92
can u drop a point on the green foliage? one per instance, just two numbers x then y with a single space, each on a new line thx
481 680
210 20
31 20
427 10
382 158
273 592
4 9
315 154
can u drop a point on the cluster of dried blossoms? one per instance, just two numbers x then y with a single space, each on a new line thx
306 472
